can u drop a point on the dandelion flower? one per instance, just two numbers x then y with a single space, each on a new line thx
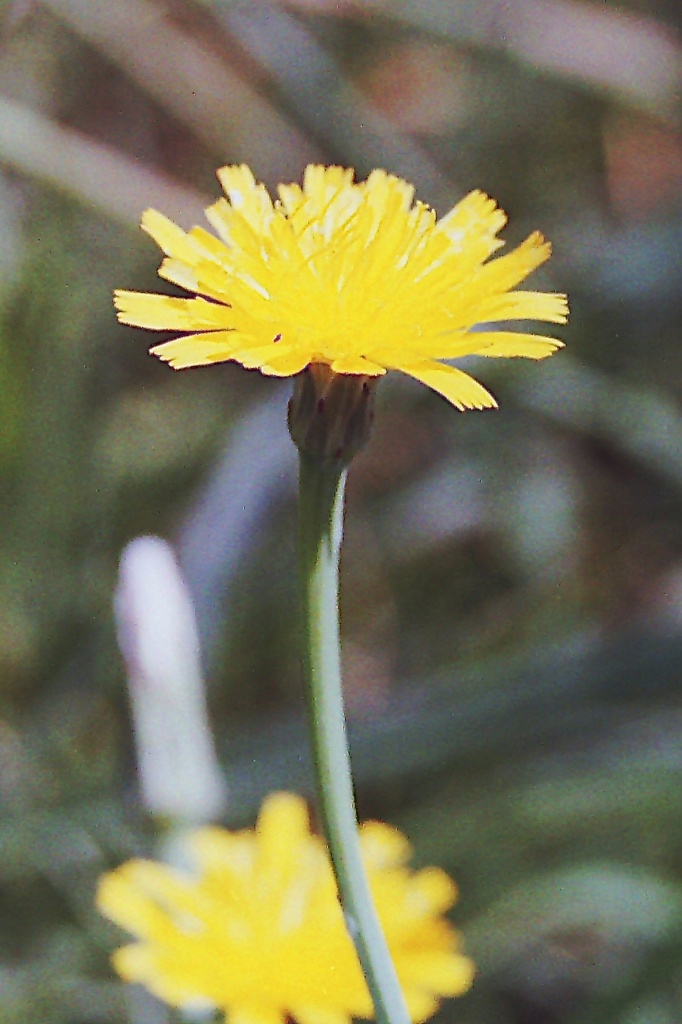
258 932
355 276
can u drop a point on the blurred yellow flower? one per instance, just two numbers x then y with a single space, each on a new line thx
356 276
258 932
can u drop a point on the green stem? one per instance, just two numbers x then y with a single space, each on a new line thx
321 490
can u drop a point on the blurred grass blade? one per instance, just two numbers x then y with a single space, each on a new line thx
642 62
219 105
330 106
96 174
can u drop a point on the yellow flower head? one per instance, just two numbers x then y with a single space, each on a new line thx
258 932
353 275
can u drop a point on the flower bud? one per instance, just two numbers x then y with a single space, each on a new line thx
331 414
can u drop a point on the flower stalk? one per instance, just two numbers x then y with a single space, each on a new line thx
321 500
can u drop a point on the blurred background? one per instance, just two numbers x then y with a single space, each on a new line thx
512 580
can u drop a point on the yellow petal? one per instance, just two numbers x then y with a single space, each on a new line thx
321 1015
472 226
163 313
203 277
198 349
249 200
160 883
357 365
551 307
212 246
246 196
120 899
506 272
272 359
135 963
283 827
383 846
321 182
181 274
434 890
140 965
508 344
459 388
256 1015
170 238
284 364
388 185
225 853
420 1004
442 972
